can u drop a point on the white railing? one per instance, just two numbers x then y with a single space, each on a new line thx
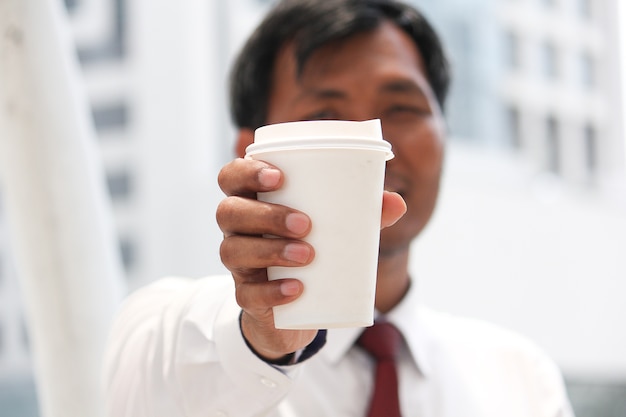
62 229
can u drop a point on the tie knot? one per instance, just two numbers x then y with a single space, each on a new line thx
382 341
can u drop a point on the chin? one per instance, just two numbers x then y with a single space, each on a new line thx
398 238
395 240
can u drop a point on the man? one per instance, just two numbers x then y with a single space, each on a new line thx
209 347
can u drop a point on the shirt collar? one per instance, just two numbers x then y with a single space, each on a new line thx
407 316
339 342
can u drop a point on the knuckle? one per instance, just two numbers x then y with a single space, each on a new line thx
223 209
246 292
226 253
269 213
221 178
240 296
224 175
272 216
253 297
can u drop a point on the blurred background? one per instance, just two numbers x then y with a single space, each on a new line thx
530 231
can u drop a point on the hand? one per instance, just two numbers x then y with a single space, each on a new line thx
246 254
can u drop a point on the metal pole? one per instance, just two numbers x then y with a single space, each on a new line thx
62 230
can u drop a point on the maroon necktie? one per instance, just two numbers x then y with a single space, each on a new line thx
382 341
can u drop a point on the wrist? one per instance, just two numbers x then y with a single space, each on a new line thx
274 358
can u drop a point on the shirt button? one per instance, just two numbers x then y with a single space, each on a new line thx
268 383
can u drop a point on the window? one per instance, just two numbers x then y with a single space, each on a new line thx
1 339
552 145
591 151
514 126
111 46
25 335
110 117
549 59
71 5
587 69
119 185
584 9
128 253
512 53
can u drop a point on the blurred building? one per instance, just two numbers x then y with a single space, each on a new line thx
151 78
155 75
539 77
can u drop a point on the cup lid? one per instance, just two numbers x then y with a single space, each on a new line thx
320 134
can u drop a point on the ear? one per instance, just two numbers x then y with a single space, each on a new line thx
244 138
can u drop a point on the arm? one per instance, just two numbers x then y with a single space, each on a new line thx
182 348
176 349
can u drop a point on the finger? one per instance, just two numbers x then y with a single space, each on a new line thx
245 177
258 298
394 208
238 215
242 254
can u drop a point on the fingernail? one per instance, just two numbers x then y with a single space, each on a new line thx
289 288
297 252
297 223
269 177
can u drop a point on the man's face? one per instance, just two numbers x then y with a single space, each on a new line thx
373 75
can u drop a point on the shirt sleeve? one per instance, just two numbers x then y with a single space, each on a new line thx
549 388
176 349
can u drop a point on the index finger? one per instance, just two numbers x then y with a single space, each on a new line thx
245 177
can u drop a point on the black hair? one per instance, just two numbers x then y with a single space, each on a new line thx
312 24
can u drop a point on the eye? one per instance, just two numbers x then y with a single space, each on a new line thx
406 110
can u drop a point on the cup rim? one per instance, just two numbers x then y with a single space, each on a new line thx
309 143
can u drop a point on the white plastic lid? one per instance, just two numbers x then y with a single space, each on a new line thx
320 134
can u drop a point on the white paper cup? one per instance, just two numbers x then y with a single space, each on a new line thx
334 172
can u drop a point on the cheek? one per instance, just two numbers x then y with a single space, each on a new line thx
421 151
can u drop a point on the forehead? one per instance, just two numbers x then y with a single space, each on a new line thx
359 61
385 45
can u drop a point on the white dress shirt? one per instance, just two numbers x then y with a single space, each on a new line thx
176 350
